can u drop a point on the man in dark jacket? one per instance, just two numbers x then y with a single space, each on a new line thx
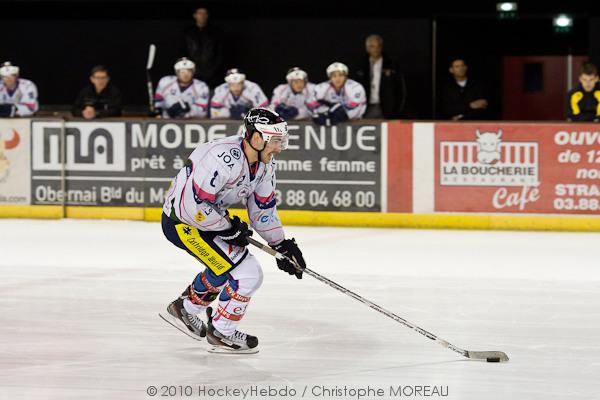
384 83
463 98
203 44
100 99
583 102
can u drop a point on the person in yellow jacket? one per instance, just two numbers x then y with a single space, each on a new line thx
583 102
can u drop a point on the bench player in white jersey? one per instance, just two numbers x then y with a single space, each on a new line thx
294 100
216 176
18 96
340 98
234 98
180 95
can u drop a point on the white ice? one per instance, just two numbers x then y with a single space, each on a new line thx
79 302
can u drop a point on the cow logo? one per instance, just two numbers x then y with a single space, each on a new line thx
488 146
489 160
6 145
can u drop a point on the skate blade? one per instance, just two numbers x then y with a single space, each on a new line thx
176 323
224 350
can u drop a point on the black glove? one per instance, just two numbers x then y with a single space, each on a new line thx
7 110
177 109
286 112
290 249
337 114
321 118
238 111
238 234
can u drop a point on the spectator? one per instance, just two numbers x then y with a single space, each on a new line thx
203 44
99 99
18 96
381 77
180 95
583 102
463 98
234 98
340 99
294 100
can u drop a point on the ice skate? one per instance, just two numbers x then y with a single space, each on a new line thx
236 343
190 324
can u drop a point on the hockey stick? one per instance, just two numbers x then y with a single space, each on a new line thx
489 356
149 64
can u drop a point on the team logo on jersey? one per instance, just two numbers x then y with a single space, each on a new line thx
235 153
200 216
488 161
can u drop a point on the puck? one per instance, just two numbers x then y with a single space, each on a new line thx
493 359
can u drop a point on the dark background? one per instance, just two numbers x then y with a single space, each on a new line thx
57 42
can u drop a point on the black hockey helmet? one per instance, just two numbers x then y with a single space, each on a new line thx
268 123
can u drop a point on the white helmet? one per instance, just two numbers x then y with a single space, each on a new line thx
337 67
8 69
296 73
184 63
234 75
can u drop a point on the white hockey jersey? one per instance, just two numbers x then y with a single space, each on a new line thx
217 176
352 96
252 96
24 97
304 101
196 95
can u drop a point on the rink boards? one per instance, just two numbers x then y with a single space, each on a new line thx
476 175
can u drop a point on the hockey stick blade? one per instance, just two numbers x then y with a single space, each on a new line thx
151 54
489 356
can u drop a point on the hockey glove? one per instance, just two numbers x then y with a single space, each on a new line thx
290 249
7 110
177 109
238 234
321 118
238 111
286 112
337 114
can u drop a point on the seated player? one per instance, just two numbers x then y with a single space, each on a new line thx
294 100
18 96
340 98
180 95
234 98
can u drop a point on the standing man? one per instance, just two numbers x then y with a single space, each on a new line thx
383 81
99 99
234 98
294 100
340 99
18 96
203 44
583 101
180 95
216 176
463 98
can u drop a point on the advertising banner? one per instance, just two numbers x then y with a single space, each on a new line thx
517 168
15 172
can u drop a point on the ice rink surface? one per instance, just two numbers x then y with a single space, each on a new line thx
79 302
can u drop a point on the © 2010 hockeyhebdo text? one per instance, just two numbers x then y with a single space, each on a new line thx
312 391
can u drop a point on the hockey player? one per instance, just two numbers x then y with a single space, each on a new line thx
180 95
234 98
195 218
341 99
18 96
294 100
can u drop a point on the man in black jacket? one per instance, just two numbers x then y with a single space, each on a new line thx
463 98
203 44
384 83
99 99
583 102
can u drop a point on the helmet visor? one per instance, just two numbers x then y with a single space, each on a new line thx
276 134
